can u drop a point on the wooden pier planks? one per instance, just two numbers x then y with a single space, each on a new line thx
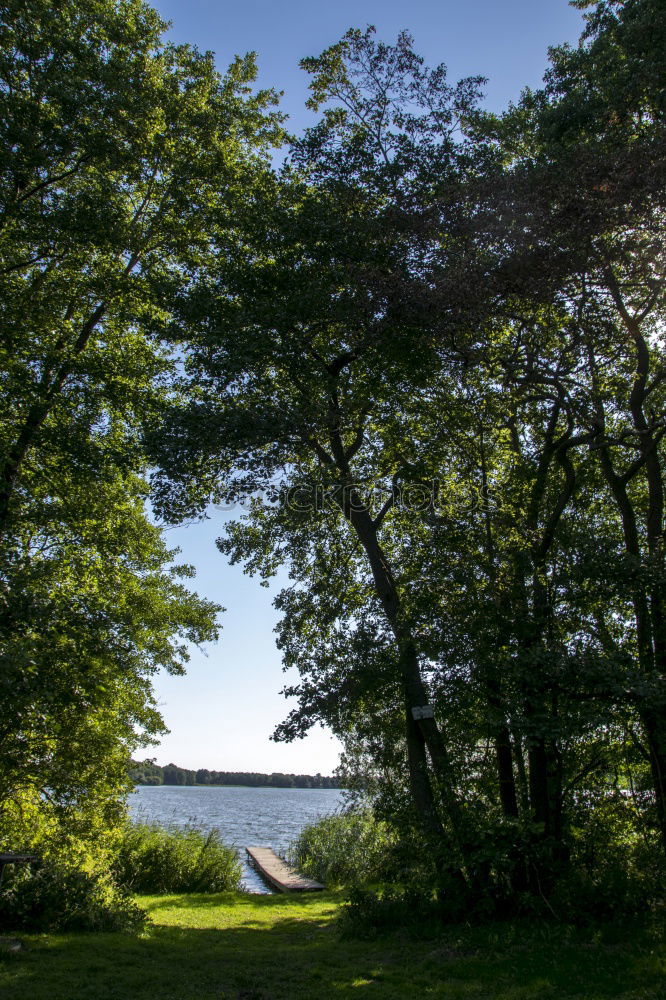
278 873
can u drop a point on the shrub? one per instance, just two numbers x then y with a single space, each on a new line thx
367 913
349 848
619 885
55 896
175 859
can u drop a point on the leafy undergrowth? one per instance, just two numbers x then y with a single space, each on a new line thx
244 947
153 858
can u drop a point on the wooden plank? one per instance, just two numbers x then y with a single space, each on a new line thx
278 873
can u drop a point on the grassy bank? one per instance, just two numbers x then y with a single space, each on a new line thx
243 947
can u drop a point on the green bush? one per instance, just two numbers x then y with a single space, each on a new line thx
55 896
154 859
618 885
342 849
367 913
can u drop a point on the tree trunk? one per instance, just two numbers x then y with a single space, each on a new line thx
506 779
422 730
655 731
412 680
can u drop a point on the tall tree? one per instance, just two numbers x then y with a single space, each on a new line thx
116 150
591 171
297 354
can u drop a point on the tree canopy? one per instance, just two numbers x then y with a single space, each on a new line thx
118 149
429 346
436 360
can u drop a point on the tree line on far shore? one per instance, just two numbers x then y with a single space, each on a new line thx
149 773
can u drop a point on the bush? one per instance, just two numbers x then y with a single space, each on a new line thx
55 896
619 885
344 849
175 859
367 913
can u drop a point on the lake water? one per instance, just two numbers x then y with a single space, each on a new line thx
265 817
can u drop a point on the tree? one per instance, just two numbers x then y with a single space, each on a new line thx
88 622
374 329
116 149
594 139
483 535
286 379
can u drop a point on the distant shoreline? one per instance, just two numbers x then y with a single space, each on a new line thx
147 772
280 788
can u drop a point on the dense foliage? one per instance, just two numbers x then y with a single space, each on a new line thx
116 150
346 849
430 346
436 364
149 773
154 859
59 896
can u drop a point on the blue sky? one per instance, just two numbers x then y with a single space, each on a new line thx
222 713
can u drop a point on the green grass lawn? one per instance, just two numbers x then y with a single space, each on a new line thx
243 947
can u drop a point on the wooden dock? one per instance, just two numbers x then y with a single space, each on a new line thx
278 873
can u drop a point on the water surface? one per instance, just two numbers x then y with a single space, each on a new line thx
244 817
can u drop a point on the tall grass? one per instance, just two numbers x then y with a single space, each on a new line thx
344 849
154 859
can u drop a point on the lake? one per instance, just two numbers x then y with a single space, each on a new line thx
267 817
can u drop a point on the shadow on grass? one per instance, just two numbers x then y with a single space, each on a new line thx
270 953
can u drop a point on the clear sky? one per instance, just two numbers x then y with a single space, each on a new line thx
222 713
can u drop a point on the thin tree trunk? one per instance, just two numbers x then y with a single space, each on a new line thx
412 680
506 778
